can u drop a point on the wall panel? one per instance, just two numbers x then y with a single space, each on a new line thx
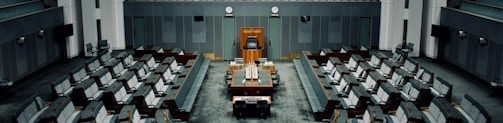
320 32
467 53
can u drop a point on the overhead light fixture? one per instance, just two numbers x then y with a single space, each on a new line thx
228 11
462 33
482 41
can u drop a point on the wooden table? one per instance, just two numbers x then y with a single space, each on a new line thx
261 86
251 99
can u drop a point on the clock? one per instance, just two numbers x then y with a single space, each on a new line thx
275 9
228 10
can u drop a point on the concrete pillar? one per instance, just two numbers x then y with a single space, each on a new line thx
71 16
89 25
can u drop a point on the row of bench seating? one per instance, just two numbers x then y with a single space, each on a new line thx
380 81
122 81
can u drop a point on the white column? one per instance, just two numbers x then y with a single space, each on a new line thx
70 16
391 34
112 23
431 43
106 9
414 22
386 25
120 40
89 25
398 18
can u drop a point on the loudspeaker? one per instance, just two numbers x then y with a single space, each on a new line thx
439 31
454 3
63 31
482 41
462 34
20 40
198 18
40 33
305 18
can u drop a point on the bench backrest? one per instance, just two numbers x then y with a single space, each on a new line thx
388 67
138 69
425 75
61 85
388 93
103 77
374 80
29 109
115 94
92 64
156 82
126 58
411 65
359 96
94 112
377 59
400 77
407 112
129 80
148 59
78 73
144 96
105 56
115 67
373 114
442 86
476 111
355 60
346 82
129 113
363 69
60 111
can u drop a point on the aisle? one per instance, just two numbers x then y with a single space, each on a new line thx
213 102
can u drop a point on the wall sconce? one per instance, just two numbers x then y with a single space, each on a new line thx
40 33
305 18
462 34
482 41
20 40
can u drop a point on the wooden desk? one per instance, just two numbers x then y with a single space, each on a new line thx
250 55
242 86
251 99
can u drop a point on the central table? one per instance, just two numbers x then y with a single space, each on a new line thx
249 79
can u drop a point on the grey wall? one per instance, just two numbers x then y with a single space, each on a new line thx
483 61
171 25
18 61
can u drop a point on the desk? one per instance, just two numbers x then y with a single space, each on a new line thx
256 86
250 55
251 99
251 105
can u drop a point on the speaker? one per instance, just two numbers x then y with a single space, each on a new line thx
439 31
482 41
454 3
305 18
41 33
198 18
462 34
63 31
20 40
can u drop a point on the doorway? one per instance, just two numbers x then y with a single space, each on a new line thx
138 31
365 31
